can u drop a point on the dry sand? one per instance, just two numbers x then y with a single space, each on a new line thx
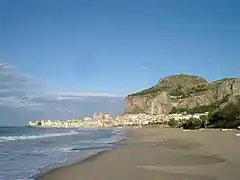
162 154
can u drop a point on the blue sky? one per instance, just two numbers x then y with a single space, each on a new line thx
112 47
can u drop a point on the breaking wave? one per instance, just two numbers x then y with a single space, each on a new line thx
47 135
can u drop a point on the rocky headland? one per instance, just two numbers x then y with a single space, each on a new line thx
177 101
182 92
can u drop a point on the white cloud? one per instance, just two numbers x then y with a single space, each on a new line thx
5 65
72 95
24 90
12 101
143 68
23 94
16 89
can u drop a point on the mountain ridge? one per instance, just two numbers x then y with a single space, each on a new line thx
176 92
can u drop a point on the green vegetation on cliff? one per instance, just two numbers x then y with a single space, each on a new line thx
190 94
192 123
150 91
198 109
178 92
177 85
201 109
227 117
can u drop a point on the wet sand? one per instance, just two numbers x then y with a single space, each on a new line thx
161 153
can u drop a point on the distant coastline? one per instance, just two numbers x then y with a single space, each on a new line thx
102 120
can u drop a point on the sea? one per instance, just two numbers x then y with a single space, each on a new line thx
26 152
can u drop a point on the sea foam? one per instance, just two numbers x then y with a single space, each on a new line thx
47 135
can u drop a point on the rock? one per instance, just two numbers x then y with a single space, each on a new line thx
161 104
184 81
228 87
183 92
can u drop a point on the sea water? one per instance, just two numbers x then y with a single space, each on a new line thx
24 152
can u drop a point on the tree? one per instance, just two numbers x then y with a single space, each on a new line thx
174 110
39 123
183 74
193 123
204 119
173 123
227 117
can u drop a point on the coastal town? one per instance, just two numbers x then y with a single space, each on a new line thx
178 101
102 120
120 90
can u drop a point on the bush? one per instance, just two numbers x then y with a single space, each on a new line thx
173 123
151 90
173 111
193 123
204 119
176 93
228 117
181 122
198 88
178 110
165 122
183 74
202 109
199 109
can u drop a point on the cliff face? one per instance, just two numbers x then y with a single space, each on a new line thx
182 92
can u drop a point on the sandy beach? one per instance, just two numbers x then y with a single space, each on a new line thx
161 153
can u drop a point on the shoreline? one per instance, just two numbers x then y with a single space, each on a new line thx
41 175
168 154
44 171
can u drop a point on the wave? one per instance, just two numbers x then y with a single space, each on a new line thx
103 143
78 149
24 137
110 140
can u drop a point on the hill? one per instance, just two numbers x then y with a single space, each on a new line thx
185 93
190 95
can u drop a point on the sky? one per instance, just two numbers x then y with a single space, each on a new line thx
69 58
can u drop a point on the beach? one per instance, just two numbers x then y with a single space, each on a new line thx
161 153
